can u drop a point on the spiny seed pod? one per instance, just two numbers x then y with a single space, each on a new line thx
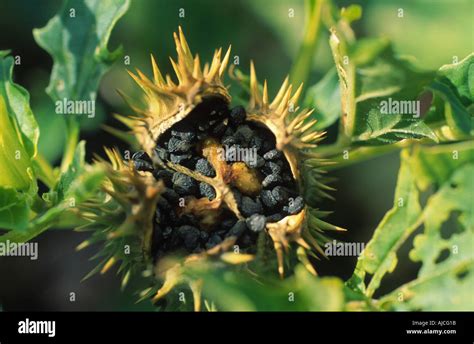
211 179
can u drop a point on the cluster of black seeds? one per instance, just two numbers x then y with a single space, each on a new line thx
182 144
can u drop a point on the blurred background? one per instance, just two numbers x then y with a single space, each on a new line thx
433 31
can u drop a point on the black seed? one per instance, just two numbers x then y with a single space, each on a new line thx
190 236
256 142
237 115
141 155
167 232
176 145
229 131
268 199
229 140
271 155
158 215
246 240
190 163
202 136
207 190
271 180
205 168
162 153
267 145
188 136
219 129
228 223
204 236
244 133
238 196
271 168
295 205
171 195
280 194
249 206
221 232
164 205
142 165
237 230
187 219
287 178
179 159
256 223
203 126
183 184
213 241
173 217
164 175
274 218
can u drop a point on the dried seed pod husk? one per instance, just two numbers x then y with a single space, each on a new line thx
132 192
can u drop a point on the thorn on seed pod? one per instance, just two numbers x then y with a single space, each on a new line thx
274 218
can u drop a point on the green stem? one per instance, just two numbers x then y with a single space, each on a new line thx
45 171
36 227
72 138
302 65
344 156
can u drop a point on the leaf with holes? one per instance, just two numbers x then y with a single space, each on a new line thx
447 263
448 170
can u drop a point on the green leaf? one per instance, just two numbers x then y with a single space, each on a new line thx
447 263
351 13
19 131
448 222
324 97
18 146
434 165
16 168
379 256
14 209
455 87
371 76
235 290
461 76
77 39
81 189
17 101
